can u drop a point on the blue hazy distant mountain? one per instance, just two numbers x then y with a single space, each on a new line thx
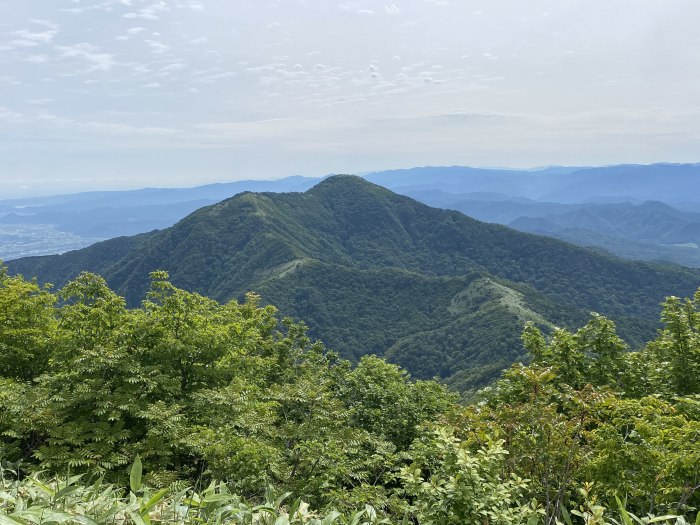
55 224
669 183
649 231
664 182
154 196
615 208
497 195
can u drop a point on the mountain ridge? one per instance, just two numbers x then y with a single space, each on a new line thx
318 256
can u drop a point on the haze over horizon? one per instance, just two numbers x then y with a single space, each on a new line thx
117 94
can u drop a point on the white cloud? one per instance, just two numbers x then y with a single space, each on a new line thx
24 38
42 37
150 12
174 67
90 53
157 48
7 115
391 9
205 61
131 32
36 59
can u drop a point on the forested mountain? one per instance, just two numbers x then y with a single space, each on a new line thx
651 231
371 271
48 225
55 224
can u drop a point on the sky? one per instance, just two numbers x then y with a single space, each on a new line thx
114 94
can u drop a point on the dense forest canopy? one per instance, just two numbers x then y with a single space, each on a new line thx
189 391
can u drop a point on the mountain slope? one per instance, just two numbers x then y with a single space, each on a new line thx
650 231
53 224
373 271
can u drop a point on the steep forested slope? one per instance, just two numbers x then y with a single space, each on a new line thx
373 271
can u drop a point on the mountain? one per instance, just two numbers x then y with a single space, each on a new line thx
155 196
663 182
669 183
491 207
649 231
371 271
54 224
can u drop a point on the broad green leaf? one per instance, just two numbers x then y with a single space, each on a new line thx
294 508
83 520
624 515
135 476
42 486
332 516
138 520
215 498
357 516
154 500
566 516
281 499
11 520
67 491
657 519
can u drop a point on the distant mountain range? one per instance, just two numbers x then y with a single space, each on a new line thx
372 271
670 183
651 231
78 220
604 207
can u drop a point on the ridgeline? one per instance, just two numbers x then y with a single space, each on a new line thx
371 271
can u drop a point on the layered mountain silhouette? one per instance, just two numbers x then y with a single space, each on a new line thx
651 230
371 271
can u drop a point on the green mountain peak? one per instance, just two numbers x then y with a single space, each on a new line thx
371 271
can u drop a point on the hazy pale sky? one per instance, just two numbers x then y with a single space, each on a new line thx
132 93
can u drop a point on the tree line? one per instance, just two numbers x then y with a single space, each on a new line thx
202 393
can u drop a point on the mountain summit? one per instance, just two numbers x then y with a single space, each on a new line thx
371 271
